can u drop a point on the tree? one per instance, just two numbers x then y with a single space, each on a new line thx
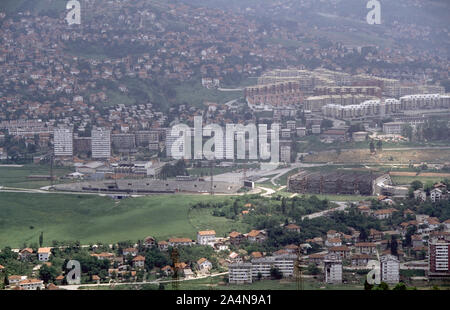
367 286
383 286
313 269
48 274
372 146
394 246
41 239
379 145
6 280
400 287
363 234
275 273
407 131
416 184
283 205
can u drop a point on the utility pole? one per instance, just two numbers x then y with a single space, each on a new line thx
51 170
175 277
211 190
298 272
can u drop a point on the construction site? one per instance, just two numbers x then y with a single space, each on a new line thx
150 186
336 182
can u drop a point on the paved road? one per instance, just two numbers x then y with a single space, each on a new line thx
76 287
342 207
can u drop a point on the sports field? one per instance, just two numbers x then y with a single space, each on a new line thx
91 219
18 177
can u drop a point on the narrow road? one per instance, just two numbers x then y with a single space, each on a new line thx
342 207
77 286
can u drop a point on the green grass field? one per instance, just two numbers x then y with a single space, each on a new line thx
91 219
18 177
403 180
203 219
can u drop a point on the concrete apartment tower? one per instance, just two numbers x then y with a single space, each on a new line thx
63 142
390 269
101 143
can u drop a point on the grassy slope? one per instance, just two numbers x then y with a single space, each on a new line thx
18 177
92 219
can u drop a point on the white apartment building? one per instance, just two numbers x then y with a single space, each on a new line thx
390 269
333 269
206 237
424 101
63 141
263 265
240 273
31 284
44 254
435 195
285 153
438 258
393 128
101 143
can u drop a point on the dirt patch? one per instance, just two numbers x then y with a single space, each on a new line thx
387 156
435 174
403 174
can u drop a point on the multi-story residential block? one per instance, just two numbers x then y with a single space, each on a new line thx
206 237
389 269
263 265
101 143
439 259
124 142
333 268
240 273
63 141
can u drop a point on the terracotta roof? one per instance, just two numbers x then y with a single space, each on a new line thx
292 226
317 255
179 240
254 233
365 244
201 260
280 252
385 211
52 287
29 281
339 248
256 254
206 232
234 234
139 258
44 250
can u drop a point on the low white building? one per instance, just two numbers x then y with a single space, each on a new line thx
240 273
31 284
435 195
206 237
44 254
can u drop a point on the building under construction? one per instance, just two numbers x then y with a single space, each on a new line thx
336 182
